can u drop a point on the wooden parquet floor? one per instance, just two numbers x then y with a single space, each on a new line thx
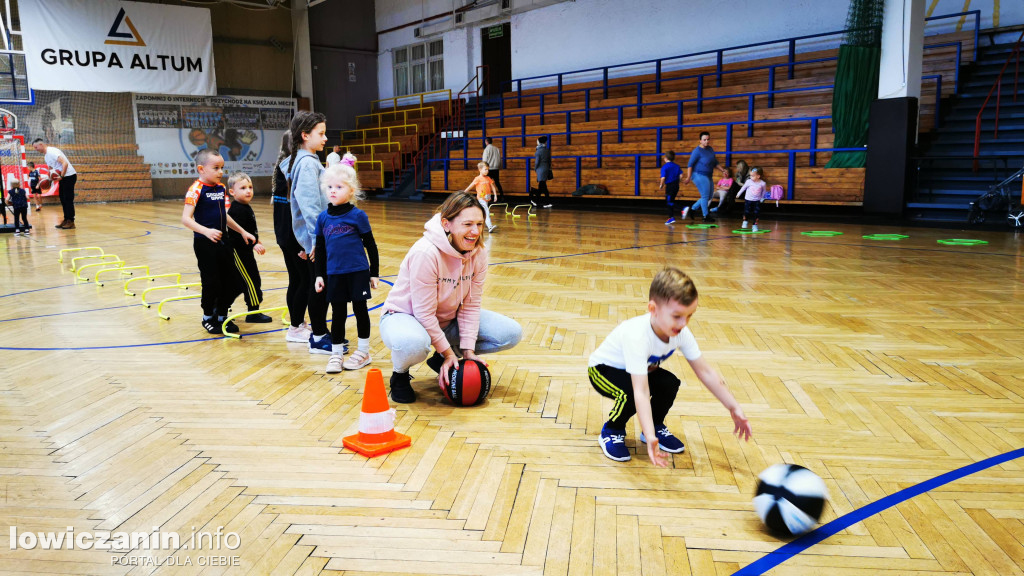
878 365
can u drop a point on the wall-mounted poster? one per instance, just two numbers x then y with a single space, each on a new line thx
246 130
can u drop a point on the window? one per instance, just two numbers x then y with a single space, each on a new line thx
419 68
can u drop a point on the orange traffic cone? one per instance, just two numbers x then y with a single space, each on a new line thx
376 422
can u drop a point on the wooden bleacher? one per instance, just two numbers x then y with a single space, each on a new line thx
106 172
810 96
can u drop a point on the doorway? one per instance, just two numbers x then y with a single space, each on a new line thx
496 54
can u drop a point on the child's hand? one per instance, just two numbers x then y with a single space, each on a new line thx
312 255
658 458
319 284
249 238
212 235
302 254
374 282
742 425
259 249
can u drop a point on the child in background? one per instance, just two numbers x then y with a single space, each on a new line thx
670 173
722 188
19 202
206 215
342 234
626 367
754 188
33 185
485 191
248 280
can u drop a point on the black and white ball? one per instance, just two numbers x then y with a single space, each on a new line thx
790 499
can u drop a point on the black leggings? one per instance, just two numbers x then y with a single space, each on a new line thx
317 305
617 384
671 190
23 213
340 310
299 283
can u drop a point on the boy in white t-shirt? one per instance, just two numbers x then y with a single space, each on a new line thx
626 367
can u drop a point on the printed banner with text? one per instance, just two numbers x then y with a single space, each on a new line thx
246 130
114 46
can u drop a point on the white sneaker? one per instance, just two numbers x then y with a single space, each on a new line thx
744 225
334 364
357 360
298 333
685 213
754 228
17 233
548 205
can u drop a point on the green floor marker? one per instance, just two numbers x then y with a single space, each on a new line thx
747 231
961 242
821 233
701 226
884 237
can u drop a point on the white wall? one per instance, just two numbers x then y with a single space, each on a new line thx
590 33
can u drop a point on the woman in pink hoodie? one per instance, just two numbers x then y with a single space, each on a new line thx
436 299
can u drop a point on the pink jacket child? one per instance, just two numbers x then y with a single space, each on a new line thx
436 300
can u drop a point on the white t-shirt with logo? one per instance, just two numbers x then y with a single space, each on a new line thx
332 159
51 156
634 347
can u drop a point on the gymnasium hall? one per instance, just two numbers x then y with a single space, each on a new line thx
817 203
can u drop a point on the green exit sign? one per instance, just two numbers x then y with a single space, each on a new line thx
495 32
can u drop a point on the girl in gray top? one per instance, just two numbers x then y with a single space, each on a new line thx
302 170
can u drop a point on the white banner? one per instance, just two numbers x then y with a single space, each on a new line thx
246 130
113 46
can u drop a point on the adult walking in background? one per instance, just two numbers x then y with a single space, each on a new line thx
492 156
542 163
699 170
62 170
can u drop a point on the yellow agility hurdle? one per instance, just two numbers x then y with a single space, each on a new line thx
69 250
267 311
505 204
160 307
123 270
117 265
74 261
529 211
166 287
176 275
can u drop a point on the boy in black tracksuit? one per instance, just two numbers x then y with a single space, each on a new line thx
248 277
206 215
19 202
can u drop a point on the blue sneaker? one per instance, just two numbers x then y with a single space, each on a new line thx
666 441
321 346
613 444
670 221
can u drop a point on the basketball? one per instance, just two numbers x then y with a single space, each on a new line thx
55 175
44 184
469 383
789 499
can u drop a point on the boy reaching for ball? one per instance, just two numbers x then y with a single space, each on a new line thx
626 367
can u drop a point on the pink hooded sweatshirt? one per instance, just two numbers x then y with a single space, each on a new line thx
437 284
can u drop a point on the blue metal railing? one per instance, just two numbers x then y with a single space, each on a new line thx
559 78
700 98
659 136
790 177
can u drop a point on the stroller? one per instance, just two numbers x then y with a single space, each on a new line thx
998 201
